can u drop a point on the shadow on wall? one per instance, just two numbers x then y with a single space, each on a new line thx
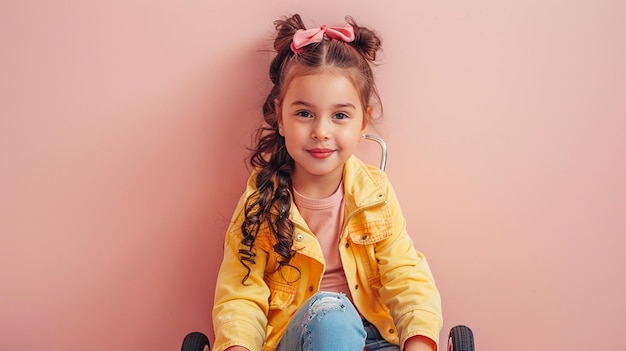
236 91
124 203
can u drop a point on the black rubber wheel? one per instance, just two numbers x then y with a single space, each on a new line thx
461 339
195 341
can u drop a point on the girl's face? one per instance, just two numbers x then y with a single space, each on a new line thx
321 119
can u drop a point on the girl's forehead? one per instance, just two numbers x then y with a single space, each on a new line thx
322 85
319 79
299 70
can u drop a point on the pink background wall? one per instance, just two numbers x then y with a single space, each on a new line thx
122 134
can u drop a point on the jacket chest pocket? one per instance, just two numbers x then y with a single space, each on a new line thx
366 264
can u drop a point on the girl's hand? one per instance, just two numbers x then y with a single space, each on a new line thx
419 343
236 348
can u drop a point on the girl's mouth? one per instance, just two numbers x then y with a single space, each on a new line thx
321 153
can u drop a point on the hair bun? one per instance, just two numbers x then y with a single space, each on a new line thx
366 40
285 29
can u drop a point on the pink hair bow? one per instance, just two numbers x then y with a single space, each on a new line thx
303 37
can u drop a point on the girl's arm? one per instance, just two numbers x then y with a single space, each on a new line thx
240 310
408 287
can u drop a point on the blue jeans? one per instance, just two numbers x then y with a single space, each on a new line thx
329 321
375 341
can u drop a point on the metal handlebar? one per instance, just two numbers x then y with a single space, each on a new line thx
383 147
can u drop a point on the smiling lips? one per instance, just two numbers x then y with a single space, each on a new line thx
321 153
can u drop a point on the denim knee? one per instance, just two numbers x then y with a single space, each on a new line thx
332 322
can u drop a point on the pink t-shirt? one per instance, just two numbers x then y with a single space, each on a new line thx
325 219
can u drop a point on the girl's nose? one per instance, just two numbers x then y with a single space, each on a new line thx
320 130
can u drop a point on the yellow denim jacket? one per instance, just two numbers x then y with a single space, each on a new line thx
390 282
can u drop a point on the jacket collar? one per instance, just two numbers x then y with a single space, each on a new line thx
363 185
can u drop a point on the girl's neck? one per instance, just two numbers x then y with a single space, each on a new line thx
316 187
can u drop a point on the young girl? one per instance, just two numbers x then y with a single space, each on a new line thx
317 256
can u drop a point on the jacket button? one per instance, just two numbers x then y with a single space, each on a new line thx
356 287
391 331
299 237
311 288
364 237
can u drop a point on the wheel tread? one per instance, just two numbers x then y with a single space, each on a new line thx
461 339
195 341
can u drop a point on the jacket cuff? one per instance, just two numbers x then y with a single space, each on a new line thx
420 322
238 333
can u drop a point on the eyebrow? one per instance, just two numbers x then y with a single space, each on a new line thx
308 104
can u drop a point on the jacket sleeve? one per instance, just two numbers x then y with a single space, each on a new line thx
240 310
408 288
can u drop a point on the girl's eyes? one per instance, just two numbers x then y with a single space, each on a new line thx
307 114
341 115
